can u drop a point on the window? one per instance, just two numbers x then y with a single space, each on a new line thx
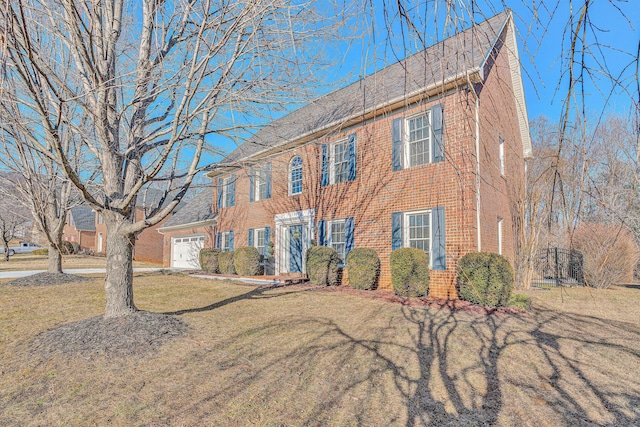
100 219
225 242
337 238
417 230
501 154
418 140
295 176
226 192
499 236
260 187
340 162
260 241
71 223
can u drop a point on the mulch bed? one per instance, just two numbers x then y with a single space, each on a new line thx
135 334
47 279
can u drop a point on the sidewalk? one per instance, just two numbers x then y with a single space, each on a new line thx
25 273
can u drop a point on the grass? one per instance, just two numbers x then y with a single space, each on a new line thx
302 356
40 262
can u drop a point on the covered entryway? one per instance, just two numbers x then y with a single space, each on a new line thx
294 231
185 251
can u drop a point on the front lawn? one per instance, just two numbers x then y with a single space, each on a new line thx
299 355
41 262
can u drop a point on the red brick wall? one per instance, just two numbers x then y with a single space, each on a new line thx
149 242
378 191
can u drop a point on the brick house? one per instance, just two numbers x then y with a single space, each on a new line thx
81 227
428 153
188 231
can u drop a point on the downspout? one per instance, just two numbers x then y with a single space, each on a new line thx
477 164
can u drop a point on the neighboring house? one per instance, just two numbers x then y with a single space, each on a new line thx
81 227
187 232
426 153
148 246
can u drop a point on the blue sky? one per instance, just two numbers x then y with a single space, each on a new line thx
378 37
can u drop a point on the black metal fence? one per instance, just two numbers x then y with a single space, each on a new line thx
558 267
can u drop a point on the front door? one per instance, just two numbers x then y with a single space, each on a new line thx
295 248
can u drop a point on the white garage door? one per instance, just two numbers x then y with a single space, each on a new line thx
185 251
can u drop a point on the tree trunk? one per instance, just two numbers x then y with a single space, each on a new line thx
55 260
118 282
6 251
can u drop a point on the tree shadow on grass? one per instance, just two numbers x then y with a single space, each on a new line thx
439 367
256 293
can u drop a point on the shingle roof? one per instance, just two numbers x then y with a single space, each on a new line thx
197 210
440 63
84 218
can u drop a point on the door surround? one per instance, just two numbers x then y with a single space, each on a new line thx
283 221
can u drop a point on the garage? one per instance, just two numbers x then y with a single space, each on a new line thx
185 251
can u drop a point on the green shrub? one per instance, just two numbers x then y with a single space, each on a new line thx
485 279
410 272
225 263
521 301
322 266
247 261
363 266
66 248
76 247
209 260
43 251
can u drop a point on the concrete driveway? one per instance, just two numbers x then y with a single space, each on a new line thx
25 273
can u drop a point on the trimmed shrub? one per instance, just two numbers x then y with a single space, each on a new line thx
225 263
363 266
247 261
66 248
43 251
521 301
410 272
76 247
610 253
485 279
209 260
322 266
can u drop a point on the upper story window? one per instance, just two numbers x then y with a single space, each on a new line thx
226 191
339 161
70 222
295 176
100 219
260 187
418 141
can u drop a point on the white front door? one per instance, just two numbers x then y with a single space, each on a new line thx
294 231
185 251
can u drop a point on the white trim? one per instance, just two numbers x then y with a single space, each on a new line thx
283 222
500 237
332 157
406 142
289 172
223 234
255 239
501 154
405 230
329 226
197 224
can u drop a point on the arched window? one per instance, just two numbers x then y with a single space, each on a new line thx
295 175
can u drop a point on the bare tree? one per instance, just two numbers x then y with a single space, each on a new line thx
156 82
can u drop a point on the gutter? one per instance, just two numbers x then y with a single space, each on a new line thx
164 230
477 144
